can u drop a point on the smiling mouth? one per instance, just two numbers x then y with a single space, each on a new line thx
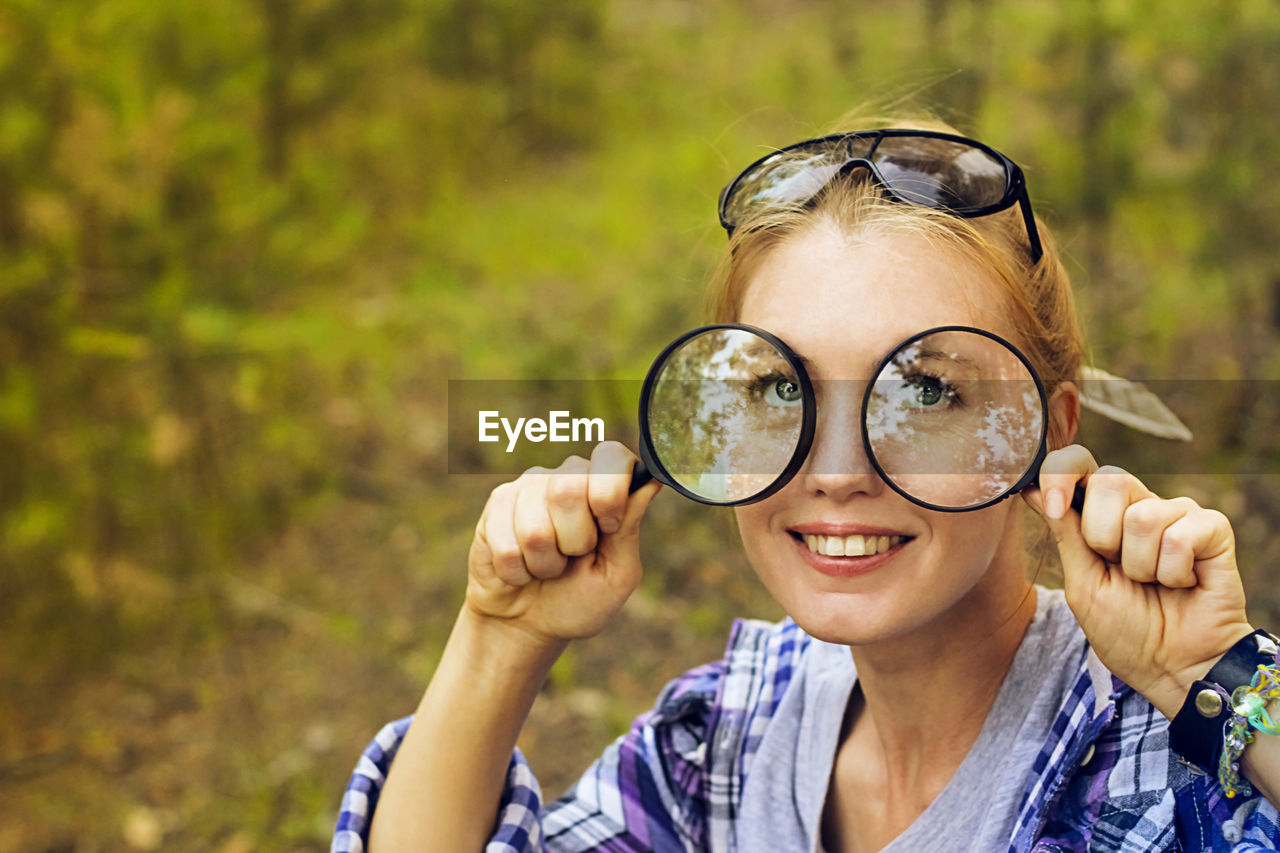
849 546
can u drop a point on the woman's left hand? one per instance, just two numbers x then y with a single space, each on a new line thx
1153 582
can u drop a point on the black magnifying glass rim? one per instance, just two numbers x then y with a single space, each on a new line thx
1032 470
809 415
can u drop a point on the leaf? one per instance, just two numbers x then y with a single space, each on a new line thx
1129 403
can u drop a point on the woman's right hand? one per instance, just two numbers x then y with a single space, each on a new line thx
557 552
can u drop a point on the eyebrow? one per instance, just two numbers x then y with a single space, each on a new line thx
760 348
922 354
939 355
806 363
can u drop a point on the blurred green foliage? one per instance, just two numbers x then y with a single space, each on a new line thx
245 244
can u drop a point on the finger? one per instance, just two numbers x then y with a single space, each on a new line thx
637 503
1109 492
534 530
1083 570
620 552
496 532
610 477
575 527
1059 473
1145 522
1198 537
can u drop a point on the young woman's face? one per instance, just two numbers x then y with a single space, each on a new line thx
842 303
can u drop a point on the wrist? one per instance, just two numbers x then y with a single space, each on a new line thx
1169 694
1196 730
504 648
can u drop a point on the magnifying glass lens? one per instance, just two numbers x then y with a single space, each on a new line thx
955 419
725 412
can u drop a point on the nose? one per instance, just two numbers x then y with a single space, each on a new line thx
837 465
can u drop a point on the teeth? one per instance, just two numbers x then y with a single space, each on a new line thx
850 546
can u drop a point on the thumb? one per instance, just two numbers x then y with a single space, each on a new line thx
623 545
637 503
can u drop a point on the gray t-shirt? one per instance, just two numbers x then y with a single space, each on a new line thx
786 788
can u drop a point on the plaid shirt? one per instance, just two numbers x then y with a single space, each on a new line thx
1104 781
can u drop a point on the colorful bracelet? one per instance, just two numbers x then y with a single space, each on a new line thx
1249 716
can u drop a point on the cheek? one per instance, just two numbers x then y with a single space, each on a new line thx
753 525
765 548
971 542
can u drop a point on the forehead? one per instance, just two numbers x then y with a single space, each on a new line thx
843 302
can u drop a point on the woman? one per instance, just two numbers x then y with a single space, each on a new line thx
923 694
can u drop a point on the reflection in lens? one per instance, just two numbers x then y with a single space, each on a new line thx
941 173
954 419
725 415
794 175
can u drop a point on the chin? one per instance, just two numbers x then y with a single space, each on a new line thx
853 619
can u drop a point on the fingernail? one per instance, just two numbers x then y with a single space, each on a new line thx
1055 503
609 525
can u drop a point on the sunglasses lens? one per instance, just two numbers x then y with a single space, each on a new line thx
941 173
792 176
954 419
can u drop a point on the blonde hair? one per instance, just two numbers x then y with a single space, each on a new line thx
1038 295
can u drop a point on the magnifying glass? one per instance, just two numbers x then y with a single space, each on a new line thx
954 418
727 415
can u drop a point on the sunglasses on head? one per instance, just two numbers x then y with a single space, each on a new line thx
938 170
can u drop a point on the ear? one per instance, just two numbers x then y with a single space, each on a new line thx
1064 415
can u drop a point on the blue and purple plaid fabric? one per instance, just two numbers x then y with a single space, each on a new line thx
1105 780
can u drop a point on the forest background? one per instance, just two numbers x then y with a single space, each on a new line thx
244 245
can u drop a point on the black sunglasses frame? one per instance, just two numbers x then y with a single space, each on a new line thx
1015 191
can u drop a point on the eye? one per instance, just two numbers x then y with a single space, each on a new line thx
786 391
777 390
923 391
